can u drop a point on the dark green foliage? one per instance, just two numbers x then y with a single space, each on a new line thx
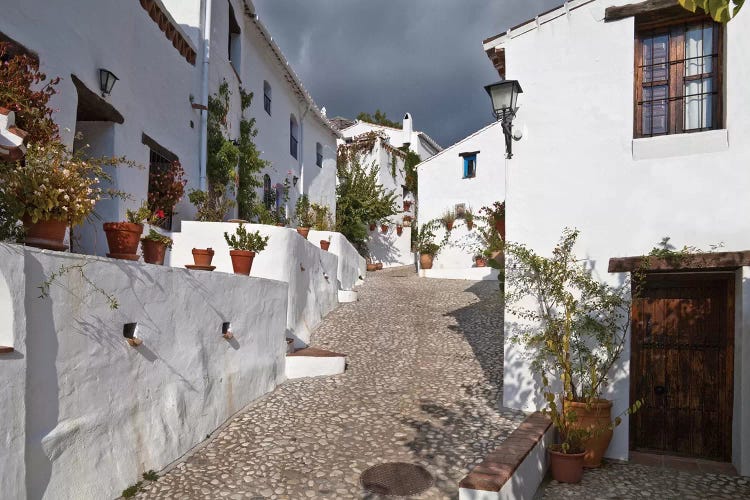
360 199
132 491
378 118
150 475
242 240
303 213
411 180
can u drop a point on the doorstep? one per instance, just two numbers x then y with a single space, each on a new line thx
314 362
687 464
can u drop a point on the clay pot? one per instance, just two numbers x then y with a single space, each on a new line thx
379 266
324 244
48 234
500 227
303 231
407 206
597 416
469 225
242 261
481 262
153 251
383 228
449 226
566 467
123 239
371 266
203 256
372 227
399 230
425 261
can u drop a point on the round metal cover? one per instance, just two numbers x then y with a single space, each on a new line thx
396 478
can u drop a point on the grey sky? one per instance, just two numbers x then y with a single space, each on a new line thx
421 56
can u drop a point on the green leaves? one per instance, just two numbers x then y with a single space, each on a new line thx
721 11
242 240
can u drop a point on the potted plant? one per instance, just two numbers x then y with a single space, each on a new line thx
166 188
480 260
379 266
426 245
449 217
371 266
408 220
575 329
496 215
244 246
372 225
123 237
154 247
407 205
202 257
304 215
325 244
469 218
383 227
399 229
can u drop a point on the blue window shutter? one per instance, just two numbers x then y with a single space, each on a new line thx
466 167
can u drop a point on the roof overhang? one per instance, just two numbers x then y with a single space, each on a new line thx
709 261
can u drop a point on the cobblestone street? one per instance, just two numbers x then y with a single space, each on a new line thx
422 386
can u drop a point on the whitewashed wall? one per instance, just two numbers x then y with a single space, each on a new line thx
152 94
310 272
390 248
398 137
352 267
98 412
579 166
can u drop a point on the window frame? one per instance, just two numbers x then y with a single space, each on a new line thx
319 154
467 158
159 158
234 41
267 92
676 28
293 140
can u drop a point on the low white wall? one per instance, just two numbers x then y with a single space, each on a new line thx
390 248
99 412
310 272
352 265
456 257
12 372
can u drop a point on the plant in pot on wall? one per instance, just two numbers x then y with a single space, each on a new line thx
448 218
383 227
304 215
480 260
244 246
154 245
469 218
496 216
325 244
399 229
574 329
426 245
123 237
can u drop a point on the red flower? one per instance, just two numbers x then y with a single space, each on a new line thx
160 214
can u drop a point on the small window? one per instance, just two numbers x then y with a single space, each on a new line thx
267 194
319 154
470 164
677 77
234 41
293 131
267 97
159 163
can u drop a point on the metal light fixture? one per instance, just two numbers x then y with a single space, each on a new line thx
107 80
504 95
294 180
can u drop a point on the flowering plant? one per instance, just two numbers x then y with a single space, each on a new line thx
153 235
54 184
166 187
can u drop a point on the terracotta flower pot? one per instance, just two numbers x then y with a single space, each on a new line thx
372 227
407 206
242 261
469 225
379 266
203 256
303 231
597 416
481 262
399 230
449 226
425 261
383 228
153 251
48 234
324 244
566 467
371 266
123 239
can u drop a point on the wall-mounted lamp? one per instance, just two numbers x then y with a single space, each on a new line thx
128 331
294 180
226 330
107 80
504 95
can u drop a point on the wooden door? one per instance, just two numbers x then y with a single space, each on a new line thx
682 365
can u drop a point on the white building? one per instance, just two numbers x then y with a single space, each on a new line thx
419 142
611 147
467 175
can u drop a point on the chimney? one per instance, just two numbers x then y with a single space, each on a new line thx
407 125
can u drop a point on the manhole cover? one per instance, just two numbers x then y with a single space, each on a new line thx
396 478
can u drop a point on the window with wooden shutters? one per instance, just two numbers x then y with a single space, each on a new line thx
678 87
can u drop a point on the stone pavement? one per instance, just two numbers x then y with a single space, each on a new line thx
422 386
628 480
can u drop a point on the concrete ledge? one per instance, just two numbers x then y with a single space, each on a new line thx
348 296
514 469
314 362
470 273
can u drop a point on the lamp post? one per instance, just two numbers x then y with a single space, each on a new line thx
107 80
504 95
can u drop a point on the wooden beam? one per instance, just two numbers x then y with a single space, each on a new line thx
636 9
713 261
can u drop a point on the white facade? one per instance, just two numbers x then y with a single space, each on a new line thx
419 142
258 66
578 165
443 186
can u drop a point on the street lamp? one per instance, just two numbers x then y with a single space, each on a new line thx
107 80
504 95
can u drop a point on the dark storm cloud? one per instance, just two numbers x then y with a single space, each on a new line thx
420 56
